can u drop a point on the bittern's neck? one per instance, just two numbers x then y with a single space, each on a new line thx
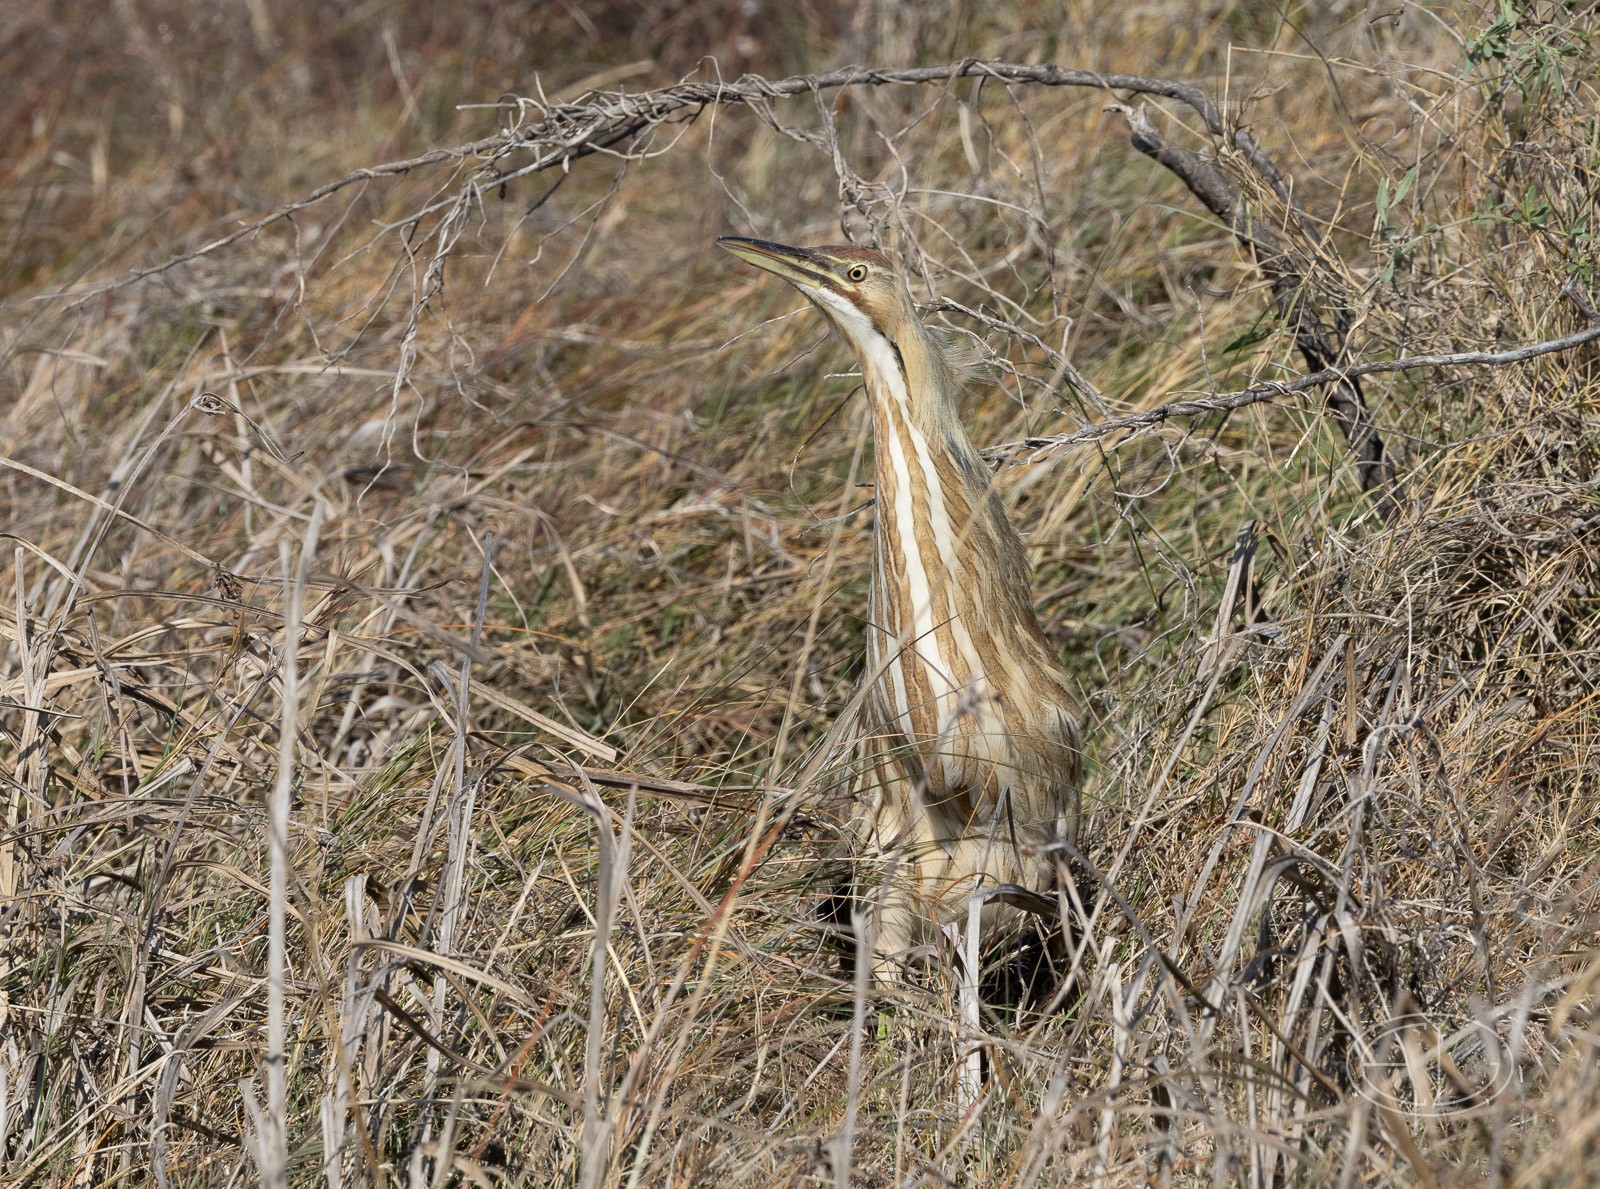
950 591
913 389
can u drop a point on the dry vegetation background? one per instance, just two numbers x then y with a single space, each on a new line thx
512 540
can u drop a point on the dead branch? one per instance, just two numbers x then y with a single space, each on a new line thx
1037 448
1321 341
618 124
564 133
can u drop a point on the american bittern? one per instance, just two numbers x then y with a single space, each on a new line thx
970 749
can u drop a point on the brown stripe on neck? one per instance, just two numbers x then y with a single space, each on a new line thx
900 361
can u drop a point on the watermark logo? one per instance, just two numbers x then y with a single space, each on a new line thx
1431 1068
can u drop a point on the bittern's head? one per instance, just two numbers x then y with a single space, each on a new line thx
858 289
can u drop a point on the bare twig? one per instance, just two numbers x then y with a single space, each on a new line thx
619 123
272 1139
1038 448
568 132
1321 343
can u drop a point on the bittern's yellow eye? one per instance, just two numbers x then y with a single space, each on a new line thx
857 272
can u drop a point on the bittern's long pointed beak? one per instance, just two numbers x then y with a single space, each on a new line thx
799 266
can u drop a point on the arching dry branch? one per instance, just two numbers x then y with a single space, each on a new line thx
620 124
564 133
613 123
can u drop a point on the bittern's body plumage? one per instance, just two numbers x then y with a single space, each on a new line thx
970 748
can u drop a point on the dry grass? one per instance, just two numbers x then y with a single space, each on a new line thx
509 554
